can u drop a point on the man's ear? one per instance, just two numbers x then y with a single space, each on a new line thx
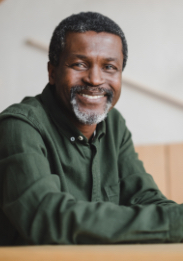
51 73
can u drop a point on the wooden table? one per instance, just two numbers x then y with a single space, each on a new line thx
150 252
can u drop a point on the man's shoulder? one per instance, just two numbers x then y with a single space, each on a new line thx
114 114
115 125
116 119
30 109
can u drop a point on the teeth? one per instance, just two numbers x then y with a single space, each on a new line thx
91 96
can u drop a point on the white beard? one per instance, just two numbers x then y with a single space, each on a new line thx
90 117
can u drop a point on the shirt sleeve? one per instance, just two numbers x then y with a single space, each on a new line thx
43 214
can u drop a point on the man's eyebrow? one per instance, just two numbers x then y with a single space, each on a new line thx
110 59
81 56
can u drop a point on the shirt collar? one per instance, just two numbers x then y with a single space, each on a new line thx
63 123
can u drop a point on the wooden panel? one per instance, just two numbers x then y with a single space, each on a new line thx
154 252
154 159
175 158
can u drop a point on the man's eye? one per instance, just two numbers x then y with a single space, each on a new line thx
79 65
110 67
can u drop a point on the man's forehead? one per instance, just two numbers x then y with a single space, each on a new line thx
90 41
92 35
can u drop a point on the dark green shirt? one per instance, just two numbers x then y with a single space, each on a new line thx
57 188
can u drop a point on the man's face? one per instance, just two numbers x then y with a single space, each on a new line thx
88 77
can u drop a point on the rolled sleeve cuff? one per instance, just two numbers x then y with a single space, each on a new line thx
175 214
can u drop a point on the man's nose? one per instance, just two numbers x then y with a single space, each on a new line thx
94 77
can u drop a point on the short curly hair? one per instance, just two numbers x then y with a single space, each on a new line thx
83 22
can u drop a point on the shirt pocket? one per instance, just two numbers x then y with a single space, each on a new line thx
113 193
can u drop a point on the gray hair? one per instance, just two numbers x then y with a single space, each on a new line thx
83 22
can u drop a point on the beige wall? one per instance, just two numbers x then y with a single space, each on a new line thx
165 164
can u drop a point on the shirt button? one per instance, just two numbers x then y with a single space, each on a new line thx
80 138
72 139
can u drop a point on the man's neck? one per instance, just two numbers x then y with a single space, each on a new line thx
87 130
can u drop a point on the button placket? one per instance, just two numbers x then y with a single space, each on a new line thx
95 175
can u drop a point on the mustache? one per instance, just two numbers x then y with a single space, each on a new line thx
78 88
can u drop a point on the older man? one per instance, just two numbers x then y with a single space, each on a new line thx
69 172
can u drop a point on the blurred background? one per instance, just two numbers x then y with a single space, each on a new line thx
153 30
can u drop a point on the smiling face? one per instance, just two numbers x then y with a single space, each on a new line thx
88 77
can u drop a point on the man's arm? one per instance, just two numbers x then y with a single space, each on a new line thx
137 187
42 214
